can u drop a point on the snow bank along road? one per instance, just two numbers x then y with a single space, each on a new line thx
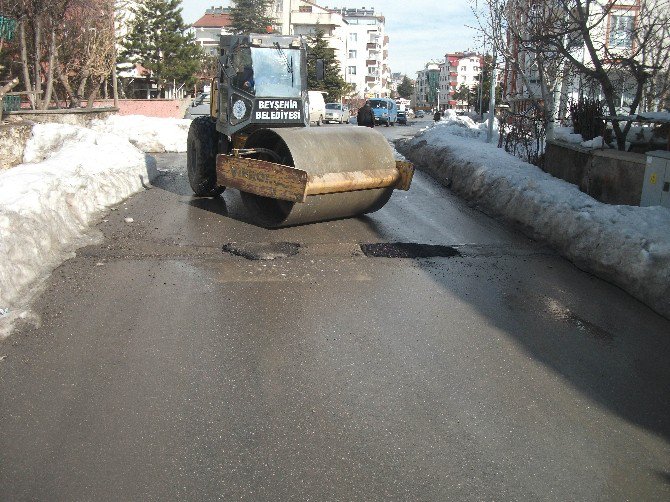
71 175
628 246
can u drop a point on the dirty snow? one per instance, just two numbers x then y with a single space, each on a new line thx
70 176
149 134
627 245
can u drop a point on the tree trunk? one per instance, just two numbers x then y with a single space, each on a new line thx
94 93
38 57
66 85
50 71
24 63
82 85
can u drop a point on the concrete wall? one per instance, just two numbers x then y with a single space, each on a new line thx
609 176
164 108
77 116
13 138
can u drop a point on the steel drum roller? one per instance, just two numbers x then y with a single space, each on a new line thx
350 152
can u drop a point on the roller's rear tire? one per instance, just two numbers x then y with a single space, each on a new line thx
202 146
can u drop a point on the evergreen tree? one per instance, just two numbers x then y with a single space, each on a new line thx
249 16
462 95
333 82
157 40
406 88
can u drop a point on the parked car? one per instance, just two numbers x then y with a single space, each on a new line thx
420 114
336 112
199 106
402 118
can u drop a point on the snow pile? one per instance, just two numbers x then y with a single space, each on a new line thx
149 134
597 142
70 175
567 135
629 246
461 125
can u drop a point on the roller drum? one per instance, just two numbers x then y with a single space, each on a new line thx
321 151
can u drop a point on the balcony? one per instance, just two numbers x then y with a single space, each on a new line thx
372 62
370 79
325 19
373 47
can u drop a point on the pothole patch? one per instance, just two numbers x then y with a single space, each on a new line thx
262 251
407 250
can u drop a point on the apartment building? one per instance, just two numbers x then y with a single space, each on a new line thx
458 68
366 55
427 86
357 35
611 32
209 28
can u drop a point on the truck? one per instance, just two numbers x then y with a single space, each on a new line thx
257 139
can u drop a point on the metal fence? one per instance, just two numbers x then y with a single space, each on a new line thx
11 103
7 28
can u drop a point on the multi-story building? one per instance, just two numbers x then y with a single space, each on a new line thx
304 17
458 68
427 86
611 32
209 28
357 36
366 55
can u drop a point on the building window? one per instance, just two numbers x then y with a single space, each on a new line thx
351 70
305 8
353 37
621 32
352 54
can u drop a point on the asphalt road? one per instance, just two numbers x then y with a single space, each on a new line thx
165 368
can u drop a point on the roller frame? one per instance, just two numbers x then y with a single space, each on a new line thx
278 181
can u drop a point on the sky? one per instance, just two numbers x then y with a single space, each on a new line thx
418 30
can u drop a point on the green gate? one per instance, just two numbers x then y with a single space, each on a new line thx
7 28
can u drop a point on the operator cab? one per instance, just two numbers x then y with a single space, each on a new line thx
262 83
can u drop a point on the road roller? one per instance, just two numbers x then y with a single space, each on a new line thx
257 139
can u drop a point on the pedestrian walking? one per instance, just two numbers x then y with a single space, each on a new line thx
437 116
365 116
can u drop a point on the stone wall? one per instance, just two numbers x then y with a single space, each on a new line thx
609 176
13 138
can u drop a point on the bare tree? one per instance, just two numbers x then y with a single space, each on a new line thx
536 73
85 57
617 44
616 41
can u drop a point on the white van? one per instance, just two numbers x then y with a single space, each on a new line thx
317 107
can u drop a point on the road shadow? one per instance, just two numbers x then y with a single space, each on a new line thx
582 328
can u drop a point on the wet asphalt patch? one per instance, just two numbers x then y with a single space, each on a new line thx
274 250
262 251
407 250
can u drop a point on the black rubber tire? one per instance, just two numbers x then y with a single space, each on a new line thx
201 148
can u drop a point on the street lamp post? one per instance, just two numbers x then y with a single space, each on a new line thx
438 100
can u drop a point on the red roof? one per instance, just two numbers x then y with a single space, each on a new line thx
213 21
